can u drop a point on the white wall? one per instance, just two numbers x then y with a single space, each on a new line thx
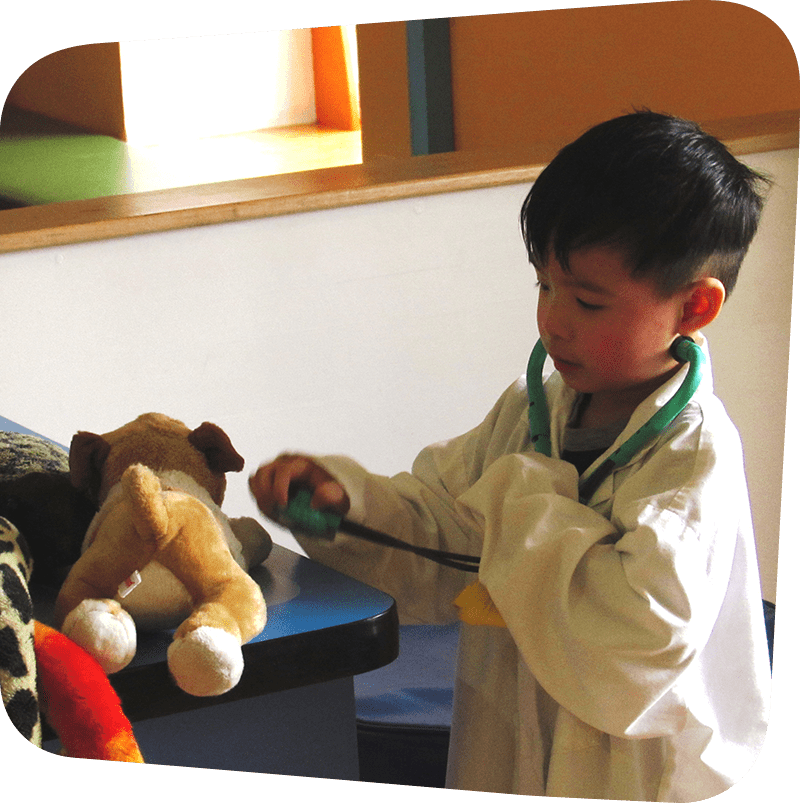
369 330
750 348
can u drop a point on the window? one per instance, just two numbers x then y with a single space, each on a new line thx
214 108
150 115
184 89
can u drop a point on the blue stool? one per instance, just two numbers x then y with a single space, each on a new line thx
404 710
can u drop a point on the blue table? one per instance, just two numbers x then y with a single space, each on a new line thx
293 711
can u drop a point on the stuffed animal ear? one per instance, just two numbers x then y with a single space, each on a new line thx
217 448
87 455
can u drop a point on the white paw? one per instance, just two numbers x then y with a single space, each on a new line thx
104 630
206 662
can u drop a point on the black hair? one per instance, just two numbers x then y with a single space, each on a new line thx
672 197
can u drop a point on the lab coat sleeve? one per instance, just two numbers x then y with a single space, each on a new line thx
608 614
419 508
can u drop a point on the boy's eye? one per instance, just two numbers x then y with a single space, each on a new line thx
544 287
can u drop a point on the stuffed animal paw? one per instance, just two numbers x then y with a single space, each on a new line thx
105 630
206 661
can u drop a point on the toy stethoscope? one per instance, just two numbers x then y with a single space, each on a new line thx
299 515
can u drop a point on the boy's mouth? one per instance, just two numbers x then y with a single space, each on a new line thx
565 367
561 363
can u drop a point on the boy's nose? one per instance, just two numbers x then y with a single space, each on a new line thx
555 322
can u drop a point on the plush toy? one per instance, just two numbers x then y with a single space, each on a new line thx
79 702
17 658
37 496
42 671
160 552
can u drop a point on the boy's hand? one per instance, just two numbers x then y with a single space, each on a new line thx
270 485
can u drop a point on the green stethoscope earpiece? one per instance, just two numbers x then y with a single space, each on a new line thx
684 349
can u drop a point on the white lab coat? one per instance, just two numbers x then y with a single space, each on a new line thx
634 665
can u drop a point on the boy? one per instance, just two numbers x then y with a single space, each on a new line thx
620 652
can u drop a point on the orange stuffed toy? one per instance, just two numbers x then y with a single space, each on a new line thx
78 701
43 672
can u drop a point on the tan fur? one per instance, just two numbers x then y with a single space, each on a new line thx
142 521
97 462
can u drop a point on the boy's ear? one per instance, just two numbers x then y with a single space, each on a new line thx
704 300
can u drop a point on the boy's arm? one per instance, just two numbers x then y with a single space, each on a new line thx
419 508
416 508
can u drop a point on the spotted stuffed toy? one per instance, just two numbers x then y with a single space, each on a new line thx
17 656
36 495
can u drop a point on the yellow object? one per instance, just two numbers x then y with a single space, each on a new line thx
477 607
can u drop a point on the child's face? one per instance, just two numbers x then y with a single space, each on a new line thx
608 333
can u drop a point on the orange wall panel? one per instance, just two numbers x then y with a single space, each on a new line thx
546 76
336 100
383 88
80 85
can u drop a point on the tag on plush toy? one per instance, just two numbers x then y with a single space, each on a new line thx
476 607
126 586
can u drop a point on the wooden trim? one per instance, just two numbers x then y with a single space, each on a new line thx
757 134
382 180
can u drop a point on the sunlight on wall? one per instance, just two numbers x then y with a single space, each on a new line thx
212 85
351 57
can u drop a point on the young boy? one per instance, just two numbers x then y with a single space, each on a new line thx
620 652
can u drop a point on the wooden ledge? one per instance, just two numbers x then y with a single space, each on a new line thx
390 179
